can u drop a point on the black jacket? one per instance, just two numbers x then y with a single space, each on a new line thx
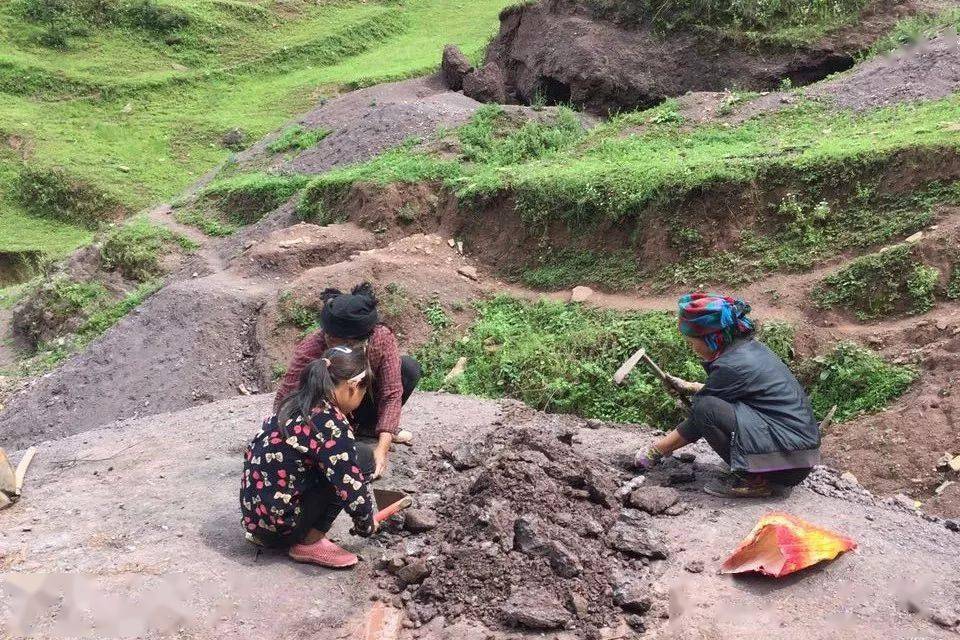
776 429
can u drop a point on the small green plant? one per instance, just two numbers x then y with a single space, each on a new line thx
855 379
786 84
436 316
292 311
614 270
880 284
296 138
206 222
953 287
393 300
277 371
408 214
136 248
779 336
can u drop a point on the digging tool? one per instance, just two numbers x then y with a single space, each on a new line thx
390 502
640 355
11 481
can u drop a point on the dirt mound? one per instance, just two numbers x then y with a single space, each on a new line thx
925 71
366 122
302 246
558 51
411 274
188 344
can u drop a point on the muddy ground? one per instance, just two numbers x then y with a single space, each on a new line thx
134 528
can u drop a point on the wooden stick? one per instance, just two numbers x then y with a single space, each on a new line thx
22 467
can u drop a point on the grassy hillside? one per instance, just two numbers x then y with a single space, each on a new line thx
132 99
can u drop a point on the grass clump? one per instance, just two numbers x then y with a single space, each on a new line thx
55 193
953 286
880 284
135 249
293 312
491 138
205 222
245 198
62 298
560 357
61 20
855 379
296 138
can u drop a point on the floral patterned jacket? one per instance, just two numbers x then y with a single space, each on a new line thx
319 454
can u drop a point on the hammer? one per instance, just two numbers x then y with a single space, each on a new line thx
641 356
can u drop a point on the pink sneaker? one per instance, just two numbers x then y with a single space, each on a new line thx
324 553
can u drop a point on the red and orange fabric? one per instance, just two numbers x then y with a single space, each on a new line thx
781 544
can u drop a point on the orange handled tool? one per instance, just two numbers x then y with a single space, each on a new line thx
391 509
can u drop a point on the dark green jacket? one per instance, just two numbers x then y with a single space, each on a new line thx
776 430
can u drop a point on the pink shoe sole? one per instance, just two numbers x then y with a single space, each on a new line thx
323 553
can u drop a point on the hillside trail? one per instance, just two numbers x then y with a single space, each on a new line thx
133 529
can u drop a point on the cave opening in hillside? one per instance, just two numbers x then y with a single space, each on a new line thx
553 92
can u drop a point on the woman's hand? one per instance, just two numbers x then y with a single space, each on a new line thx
682 386
380 455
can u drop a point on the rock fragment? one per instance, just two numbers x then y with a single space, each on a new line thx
413 573
453 67
486 84
580 294
535 610
420 520
639 541
653 500
563 561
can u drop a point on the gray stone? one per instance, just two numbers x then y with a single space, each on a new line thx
469 272
414 573
681 476
466 456
529 534
578 604
694 566
420 520
638 541
563 561
233 139
535 610
653 500
453 67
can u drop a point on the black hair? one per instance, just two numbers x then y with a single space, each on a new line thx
350 316
319 380
364 289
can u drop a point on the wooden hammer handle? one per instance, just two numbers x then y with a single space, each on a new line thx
391 509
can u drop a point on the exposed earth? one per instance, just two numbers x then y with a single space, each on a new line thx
525 523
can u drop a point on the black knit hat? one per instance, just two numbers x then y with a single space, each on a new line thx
350 316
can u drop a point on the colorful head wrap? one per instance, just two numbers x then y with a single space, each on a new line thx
716 319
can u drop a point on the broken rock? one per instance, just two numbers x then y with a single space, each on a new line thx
539 611
420 521
637 540
486 84
653 500
529 534
468 272
564 563
413 573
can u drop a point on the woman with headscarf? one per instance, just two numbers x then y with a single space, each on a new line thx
751 410
352 320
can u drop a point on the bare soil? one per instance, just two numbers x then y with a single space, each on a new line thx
133 529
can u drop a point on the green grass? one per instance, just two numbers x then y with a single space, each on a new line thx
559 357
563 268
296 138
205 221
855 379
136 248
880 284
140 119
778 21
246 198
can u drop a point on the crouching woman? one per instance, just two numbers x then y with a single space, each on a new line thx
752 410
304 466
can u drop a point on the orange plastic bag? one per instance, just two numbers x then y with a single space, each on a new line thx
781 544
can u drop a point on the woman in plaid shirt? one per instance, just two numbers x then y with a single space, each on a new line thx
352 320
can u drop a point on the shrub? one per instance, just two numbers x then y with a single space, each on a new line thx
297 138
135 249
64 298
855 379
879 284
55 193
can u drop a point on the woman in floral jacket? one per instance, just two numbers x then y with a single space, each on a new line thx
305 466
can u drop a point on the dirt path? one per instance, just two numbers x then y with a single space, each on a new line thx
144 495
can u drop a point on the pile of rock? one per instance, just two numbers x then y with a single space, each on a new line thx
526 533
485 84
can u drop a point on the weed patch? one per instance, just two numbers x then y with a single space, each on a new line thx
292 312
56 194
855 379
779 337
135 249
562 268
206 222
246 198
880 284
915 29
296 138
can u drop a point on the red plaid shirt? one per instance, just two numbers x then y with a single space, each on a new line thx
384 357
